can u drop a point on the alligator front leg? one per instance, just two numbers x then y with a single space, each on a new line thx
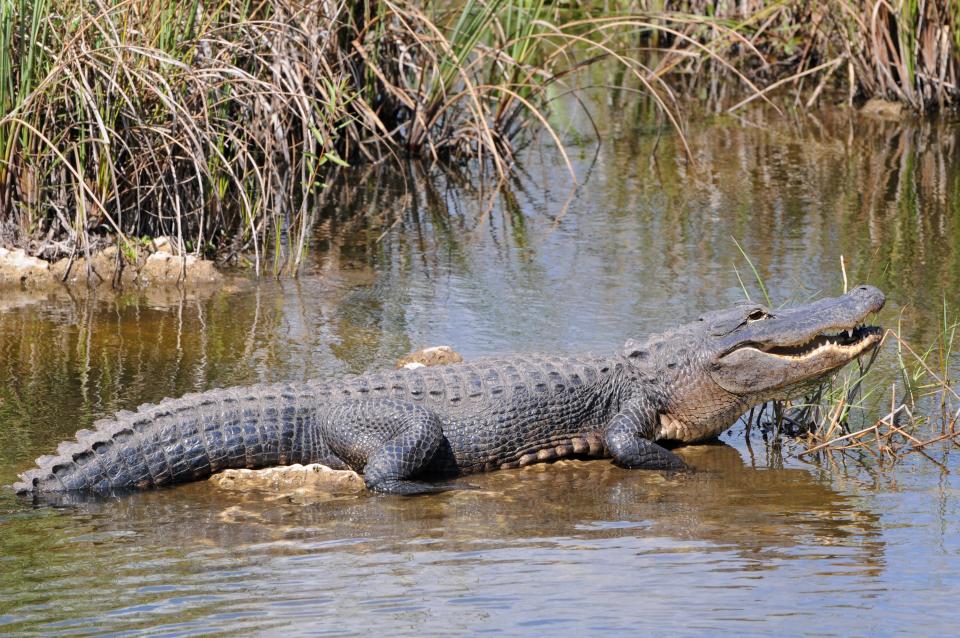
389 441
626 438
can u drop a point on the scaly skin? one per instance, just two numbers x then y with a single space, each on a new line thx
400 428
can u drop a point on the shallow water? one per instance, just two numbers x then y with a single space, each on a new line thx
754 542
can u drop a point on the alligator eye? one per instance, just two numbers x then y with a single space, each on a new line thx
756 315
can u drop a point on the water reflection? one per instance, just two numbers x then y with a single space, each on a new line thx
723 502
802 190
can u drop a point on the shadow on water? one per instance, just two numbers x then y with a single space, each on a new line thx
405 259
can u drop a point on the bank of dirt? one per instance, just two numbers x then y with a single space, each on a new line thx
155 263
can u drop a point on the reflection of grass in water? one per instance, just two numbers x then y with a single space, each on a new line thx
924 408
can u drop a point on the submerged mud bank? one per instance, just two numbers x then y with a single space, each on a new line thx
154 264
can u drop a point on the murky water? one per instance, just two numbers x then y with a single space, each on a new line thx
755 542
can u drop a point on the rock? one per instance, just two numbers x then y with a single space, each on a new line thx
102 267
160 268
163 268
17 267
58 268
202 271
291 478
883 109
161 245
435 356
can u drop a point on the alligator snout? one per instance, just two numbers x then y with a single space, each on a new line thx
871 295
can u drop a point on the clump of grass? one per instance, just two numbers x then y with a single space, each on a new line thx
138 118
215 123
924 410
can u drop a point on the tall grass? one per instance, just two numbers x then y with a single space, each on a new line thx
214 122
902 50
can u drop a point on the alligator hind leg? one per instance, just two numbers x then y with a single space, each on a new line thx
391 442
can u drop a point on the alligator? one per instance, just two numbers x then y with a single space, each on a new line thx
407 429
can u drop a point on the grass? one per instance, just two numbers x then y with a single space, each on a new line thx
215 123
902 50
922 410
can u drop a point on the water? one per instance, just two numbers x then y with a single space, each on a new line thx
755 542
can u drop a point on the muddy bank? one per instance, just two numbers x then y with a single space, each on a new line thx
155 263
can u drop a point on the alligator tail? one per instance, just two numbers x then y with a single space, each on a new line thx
181 440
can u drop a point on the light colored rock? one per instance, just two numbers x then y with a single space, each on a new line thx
162 245
159 269
291 478
435 356
17 267
101 270
164 268
59 267
882 109
202 271
19 258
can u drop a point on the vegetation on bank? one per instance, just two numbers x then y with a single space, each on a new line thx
906 51
215 123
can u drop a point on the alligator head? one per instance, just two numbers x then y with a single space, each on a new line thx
711 371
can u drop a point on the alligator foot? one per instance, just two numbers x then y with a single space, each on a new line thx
650 456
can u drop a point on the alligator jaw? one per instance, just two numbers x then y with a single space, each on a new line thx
848 343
